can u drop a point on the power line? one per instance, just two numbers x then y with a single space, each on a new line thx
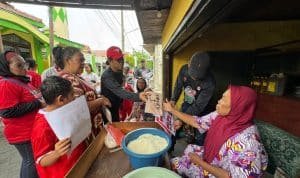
100 15
85 15
118 25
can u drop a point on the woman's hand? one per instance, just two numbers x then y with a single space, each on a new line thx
216 171
167 106
196 159
105 101
62 146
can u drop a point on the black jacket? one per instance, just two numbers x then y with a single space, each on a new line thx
197 93
111 87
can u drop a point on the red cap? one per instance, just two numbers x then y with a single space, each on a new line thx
114 53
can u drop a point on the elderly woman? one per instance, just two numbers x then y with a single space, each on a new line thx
71 61
232 146
19 103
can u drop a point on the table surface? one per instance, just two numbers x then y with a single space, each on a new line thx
113 165
109 165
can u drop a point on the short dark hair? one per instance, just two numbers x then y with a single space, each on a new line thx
30 62
54 86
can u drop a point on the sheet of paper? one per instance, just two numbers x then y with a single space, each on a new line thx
166 122
154 104
71 120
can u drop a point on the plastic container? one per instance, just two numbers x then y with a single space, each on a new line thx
151 172
276 84
144 160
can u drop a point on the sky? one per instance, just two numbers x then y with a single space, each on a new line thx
99 29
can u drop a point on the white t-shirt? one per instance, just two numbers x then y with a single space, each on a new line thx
90 77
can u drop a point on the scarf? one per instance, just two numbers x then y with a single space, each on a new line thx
240 117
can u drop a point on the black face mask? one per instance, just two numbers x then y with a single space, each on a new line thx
199 65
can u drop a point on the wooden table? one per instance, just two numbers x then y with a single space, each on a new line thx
98 162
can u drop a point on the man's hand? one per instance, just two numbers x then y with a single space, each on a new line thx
143 96
62 147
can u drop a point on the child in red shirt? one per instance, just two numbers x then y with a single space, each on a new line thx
35 78
49 152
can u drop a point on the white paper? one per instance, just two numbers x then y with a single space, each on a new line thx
72 120
154 104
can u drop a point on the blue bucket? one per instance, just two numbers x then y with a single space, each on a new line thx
144 160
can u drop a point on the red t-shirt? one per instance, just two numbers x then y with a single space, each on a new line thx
126 106
35 79
43 141
17 129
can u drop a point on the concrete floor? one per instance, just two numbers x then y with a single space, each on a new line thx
10 160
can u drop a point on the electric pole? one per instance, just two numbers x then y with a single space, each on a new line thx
122 31
51 35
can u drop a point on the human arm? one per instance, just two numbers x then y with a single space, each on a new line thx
94 105
61 148
246 156
188 119
117 89
216 171
201 123
12 102
20 109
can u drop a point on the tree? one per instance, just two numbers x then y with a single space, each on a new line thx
129 59
139 55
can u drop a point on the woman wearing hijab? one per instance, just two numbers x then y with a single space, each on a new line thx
232 146
19 103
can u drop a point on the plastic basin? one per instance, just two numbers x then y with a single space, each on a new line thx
151 172
144 160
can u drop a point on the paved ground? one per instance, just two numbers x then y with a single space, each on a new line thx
10 160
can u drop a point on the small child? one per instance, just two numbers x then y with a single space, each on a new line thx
49 152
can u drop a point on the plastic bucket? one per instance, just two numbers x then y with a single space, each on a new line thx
144 160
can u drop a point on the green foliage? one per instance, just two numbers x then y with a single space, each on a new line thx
139 55
130 60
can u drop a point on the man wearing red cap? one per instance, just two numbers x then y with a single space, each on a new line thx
111 82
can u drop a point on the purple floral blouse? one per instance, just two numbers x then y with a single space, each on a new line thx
242 155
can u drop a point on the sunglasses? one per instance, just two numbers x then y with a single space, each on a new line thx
19 65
